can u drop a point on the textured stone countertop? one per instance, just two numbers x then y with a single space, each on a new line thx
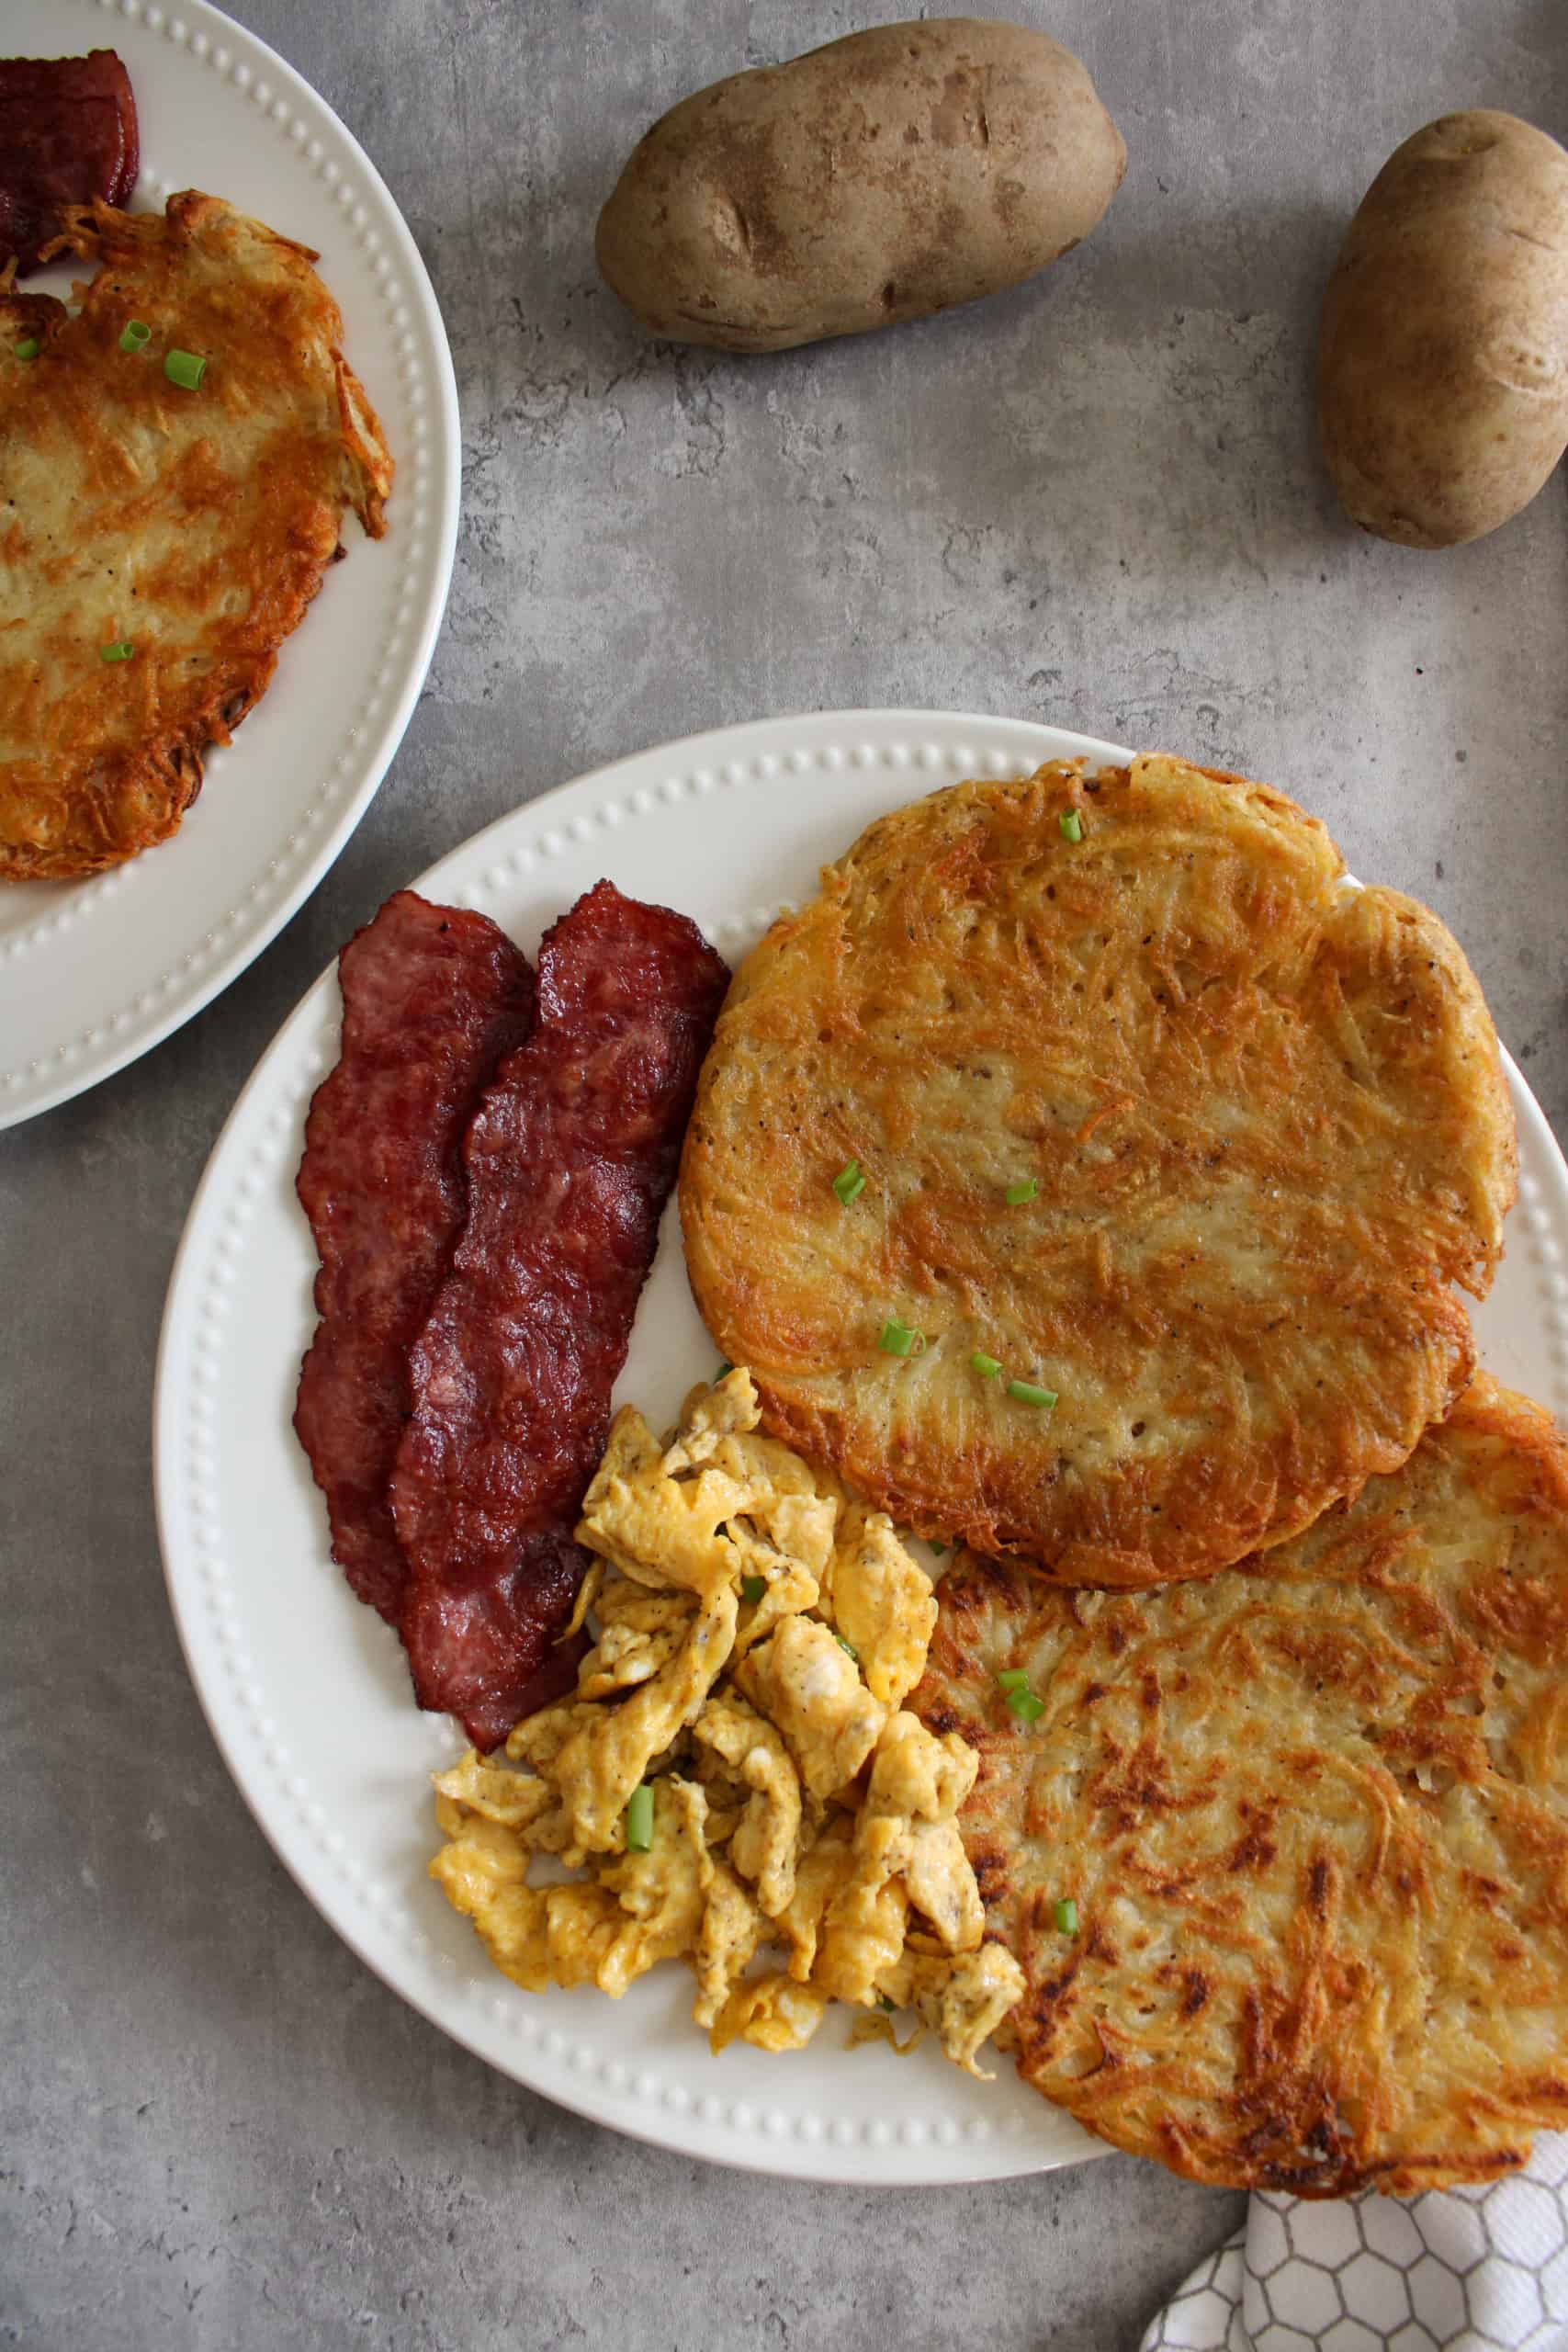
1095 500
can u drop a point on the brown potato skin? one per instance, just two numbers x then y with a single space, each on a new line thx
887 175
1443 353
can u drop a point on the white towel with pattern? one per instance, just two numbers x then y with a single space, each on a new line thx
1455 2271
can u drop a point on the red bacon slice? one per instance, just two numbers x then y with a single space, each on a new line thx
569 1160
68 132
432 998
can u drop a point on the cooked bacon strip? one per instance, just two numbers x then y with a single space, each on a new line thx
569 1162
68 133
432 998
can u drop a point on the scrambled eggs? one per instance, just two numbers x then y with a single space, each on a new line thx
736 1772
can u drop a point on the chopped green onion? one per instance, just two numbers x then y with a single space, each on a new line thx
1026 1392
849 1181
1071 824
30 348
1016 1194
898 1339
752 1589
722 1370
1026 1706
1014 1677
884 2003
1068 1917
986 1367
848 1648
184 369
639 1820
135 335
120 650
938 1546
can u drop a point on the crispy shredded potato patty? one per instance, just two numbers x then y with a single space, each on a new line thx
194 526
1265 1116
1313 1815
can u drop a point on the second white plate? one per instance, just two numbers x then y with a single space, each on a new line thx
94 973
306 1690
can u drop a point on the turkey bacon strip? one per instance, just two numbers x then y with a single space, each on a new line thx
570 1159
433 997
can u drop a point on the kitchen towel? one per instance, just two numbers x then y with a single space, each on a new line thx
1454 2270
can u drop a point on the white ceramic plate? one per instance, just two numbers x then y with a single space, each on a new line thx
306 1690
93 973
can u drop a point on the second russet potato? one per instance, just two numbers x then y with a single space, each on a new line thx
887 175
1443 364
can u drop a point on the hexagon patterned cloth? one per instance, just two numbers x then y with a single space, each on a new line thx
1458 2271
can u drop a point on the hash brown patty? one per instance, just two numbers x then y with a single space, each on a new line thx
1267 1121
194 526
1313 1815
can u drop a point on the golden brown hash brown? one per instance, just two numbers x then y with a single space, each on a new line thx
195 526
1314 1817
1267 1120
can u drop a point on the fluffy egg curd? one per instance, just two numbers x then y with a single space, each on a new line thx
736 1774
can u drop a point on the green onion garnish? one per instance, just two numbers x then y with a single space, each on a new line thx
849 1181
938 1546
184 369
639 1820
986 1367
1026 1706
135 335
722 1370
1026 1392
29 349
1016 1194
884 2003
120 650
848 1648
1068 1917
1071 824
898 1339
752 1589
1014 1677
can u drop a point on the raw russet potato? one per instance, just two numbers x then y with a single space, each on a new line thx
887 175
1443 358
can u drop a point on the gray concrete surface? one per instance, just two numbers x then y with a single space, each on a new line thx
1096 500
